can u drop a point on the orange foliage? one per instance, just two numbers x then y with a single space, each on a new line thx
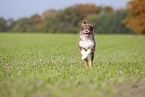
37 20
136 16
87 9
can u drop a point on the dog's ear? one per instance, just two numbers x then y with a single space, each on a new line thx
83 23
91 24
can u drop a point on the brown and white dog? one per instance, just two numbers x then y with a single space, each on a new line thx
86 42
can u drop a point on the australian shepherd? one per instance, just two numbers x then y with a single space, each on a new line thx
86 42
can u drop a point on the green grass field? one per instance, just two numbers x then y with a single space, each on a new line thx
50 65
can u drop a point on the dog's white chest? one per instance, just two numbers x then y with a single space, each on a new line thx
86 43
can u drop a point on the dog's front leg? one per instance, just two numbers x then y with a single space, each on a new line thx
85 54
84 57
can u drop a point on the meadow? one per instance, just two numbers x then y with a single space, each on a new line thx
50 65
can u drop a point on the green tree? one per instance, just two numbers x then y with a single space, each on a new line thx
108 9
3 25
48 12
31 24
10 24
22 25
111 23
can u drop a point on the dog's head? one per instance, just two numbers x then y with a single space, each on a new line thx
87 29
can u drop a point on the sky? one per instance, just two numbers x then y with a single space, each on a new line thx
25 8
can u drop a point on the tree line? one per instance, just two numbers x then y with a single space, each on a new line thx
68 20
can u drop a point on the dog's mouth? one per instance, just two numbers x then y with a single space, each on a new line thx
87 34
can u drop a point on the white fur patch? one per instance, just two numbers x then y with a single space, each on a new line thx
86 54
83 52
88 51
86 41
84 57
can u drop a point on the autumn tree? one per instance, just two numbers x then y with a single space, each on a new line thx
136 16
36 23
88 9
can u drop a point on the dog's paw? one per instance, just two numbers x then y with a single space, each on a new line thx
88 52
84 56
83 52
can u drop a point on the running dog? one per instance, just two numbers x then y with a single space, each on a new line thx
86 42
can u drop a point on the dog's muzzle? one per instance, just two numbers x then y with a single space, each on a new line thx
86 32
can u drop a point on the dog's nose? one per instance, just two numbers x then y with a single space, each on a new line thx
86 30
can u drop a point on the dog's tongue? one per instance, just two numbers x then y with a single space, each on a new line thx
86 35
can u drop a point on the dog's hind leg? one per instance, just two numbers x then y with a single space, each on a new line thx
86 62
92 48
91 58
